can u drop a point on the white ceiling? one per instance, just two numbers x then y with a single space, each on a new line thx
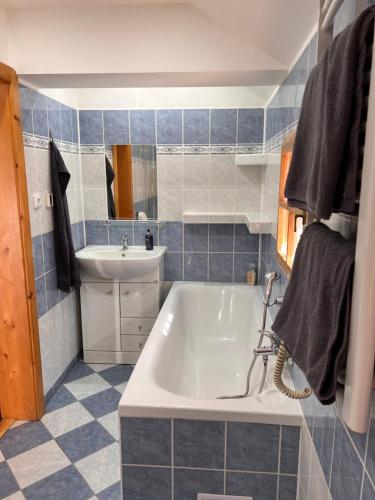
157 43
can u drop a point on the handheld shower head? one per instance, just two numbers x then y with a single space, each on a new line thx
270 278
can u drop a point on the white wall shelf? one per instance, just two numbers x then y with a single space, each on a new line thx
250 160
256 222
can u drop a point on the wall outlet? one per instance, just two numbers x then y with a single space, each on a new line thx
209 496
37 200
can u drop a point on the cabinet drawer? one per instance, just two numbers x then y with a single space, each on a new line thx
136 326
133 342
139 300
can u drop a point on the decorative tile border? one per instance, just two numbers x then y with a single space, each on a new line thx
275 142
92 149
204 149
40 142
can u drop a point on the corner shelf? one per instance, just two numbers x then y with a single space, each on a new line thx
250 160
256 222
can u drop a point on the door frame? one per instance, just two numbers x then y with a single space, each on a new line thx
21 385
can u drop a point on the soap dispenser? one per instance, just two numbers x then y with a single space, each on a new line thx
149 240
251 274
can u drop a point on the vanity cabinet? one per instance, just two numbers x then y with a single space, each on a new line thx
117 318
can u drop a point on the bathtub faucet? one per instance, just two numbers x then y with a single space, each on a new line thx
261 350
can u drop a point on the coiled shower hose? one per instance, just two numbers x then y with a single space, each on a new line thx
277 377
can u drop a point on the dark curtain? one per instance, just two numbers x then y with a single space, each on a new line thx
110 175
66 263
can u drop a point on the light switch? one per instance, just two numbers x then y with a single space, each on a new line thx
37 200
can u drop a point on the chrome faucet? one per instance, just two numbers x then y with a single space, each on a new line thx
124 242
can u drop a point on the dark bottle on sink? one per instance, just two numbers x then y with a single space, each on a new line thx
149 240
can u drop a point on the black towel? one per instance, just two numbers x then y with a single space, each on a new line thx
110 175
314 318
326 156
66 263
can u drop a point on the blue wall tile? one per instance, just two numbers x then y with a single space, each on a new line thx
250 125
40 122
221 267
66 124
245 241
41 297
241 265
289 449
324 428
142 127
116 127
188 483
223 126
138 482
196 237
75 126
258 486
199 444
195 266
221 237
52 104
140 230
287 487
78 236
38 256
91 127
346 468
171 234
253 447
169 126
196 126
49 251
173 266
146 441
96 235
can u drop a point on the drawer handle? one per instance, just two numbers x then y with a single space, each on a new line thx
140 345
126 292
110 292
140 327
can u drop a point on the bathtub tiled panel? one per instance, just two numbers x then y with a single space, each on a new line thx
196 252
185 457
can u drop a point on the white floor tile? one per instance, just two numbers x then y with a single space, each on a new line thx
98 367
38 463
17 423
65 419
87 386
121 387
101 469
111 423
16 496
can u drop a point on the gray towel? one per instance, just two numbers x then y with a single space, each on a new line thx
314 318
326 156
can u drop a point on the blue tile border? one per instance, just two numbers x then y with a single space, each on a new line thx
56 386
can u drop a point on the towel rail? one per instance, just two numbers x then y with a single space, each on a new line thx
331 6
361 355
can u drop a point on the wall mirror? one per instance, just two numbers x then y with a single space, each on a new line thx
131 180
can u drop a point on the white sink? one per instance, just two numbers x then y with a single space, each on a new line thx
110 262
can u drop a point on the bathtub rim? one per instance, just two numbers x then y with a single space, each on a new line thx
144 398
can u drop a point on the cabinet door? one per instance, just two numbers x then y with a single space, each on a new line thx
100 316
139 300
133 343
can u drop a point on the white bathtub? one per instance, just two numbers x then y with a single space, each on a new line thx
200 348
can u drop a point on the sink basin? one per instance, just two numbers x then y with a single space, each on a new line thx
109 262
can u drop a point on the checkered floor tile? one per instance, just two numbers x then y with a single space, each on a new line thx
73 452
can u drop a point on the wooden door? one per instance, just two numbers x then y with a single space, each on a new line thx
21 388
122 166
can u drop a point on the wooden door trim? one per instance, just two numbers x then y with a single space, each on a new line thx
31 405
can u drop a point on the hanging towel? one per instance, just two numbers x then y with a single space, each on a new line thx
314 318
66 263
110 175
326 156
